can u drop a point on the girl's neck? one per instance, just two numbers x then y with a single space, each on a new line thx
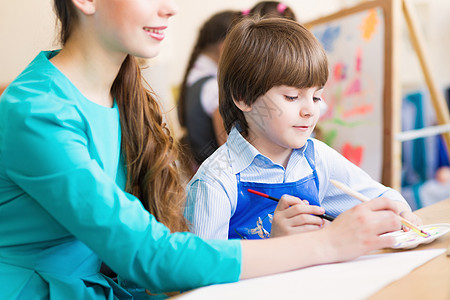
92 71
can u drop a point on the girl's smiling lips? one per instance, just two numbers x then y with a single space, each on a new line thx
155 32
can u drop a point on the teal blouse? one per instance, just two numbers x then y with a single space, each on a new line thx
63 208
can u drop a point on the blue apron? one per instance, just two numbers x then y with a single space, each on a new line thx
253 216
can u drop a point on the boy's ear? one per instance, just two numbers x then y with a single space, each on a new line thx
85 6
242 105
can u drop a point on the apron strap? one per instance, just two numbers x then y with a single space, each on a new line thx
310 158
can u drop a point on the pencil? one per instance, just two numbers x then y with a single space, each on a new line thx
324 216
363 198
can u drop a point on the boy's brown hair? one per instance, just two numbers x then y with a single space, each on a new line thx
262 53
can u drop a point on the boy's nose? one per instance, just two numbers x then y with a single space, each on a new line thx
307 110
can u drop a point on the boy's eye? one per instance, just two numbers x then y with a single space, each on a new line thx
291 98
317 99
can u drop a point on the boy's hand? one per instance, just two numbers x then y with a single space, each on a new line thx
294 215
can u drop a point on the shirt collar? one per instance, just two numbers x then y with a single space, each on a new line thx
243 154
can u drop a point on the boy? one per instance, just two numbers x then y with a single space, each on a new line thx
270 83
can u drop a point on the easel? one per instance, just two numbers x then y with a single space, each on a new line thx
393 10
437 98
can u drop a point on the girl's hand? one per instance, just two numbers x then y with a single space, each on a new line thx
294 215
406 213
411 217
357 231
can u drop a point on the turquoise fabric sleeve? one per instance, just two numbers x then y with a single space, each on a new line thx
45 154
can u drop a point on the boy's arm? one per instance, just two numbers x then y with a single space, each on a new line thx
208 209
332 165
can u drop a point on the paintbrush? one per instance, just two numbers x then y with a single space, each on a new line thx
324 216
363 198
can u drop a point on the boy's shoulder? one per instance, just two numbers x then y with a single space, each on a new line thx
325 153
320 145
215 166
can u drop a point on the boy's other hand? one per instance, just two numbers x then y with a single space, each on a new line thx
294 215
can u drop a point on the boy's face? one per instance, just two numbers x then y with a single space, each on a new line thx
283 118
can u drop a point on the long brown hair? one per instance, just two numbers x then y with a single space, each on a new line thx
149 149
259 54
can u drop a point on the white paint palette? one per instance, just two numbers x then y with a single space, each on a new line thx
410 239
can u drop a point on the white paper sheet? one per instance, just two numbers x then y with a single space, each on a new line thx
357 279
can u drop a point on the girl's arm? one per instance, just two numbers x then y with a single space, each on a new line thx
353 233
47 149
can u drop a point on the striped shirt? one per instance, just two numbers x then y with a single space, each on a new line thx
212 192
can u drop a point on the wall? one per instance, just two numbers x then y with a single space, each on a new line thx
26 26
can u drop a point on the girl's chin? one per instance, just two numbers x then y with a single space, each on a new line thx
151 53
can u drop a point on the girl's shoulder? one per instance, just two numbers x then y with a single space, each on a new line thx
41 83
41 90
